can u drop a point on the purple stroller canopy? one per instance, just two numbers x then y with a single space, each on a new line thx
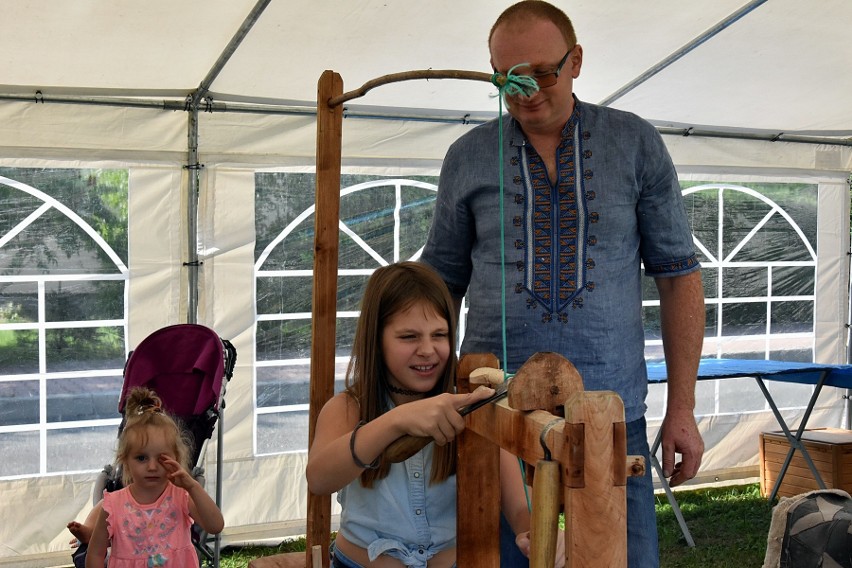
184 364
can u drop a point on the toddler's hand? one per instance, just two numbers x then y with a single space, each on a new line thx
81 533
176 473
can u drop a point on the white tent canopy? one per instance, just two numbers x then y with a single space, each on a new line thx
741 90
775 66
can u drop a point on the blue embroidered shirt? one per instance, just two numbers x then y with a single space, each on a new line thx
572 249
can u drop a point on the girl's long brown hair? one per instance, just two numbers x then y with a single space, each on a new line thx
390 290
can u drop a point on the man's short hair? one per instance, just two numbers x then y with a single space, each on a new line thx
536 10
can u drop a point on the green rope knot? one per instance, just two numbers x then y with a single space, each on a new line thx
513 85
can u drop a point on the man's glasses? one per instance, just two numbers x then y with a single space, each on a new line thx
549 78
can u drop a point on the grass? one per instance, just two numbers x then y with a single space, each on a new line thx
729 526
240 557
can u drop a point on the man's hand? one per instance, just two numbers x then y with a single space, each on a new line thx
681 436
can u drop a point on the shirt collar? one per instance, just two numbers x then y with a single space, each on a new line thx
516 134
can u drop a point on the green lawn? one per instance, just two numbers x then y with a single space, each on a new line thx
729 526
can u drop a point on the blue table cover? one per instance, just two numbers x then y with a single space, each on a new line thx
801 373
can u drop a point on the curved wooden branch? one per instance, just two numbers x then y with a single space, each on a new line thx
407 76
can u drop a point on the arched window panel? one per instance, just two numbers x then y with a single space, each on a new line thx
63 276
756 243
382 220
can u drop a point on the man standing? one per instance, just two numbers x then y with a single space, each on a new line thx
589 194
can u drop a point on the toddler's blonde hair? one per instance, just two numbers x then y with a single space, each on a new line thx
143 409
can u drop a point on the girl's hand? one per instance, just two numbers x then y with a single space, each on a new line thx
438 417
177 474
523 543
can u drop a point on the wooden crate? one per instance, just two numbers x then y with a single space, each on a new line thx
829 448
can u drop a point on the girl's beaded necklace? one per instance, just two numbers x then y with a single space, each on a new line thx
402 391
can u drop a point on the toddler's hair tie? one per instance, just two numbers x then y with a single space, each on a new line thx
153 408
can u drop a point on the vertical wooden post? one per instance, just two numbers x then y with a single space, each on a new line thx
324 301
478 504
478 473
596 498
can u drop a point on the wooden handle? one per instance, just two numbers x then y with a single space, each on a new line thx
405 447
544 526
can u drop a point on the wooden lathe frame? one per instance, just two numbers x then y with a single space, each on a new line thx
589 444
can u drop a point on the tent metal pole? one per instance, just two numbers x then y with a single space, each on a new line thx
712 32
780 137
232 46
122 102
830 138
193 168
847 398
193 165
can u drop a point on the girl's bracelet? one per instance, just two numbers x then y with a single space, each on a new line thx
359 463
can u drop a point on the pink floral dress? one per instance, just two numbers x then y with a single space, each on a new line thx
146 536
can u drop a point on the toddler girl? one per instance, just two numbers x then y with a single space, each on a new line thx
148 522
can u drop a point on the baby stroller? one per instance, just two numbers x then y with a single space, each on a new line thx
188 366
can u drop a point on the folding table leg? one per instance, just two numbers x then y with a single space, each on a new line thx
795 440
667 488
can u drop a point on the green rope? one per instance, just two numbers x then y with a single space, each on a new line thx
508 85
524 484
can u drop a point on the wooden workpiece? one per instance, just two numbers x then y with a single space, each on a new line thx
544 382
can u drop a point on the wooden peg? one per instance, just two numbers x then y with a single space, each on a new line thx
487 376
544 527
468 363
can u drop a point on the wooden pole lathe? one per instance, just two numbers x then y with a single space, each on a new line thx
324 300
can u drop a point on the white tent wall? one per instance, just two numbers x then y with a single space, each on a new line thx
69 132
731 440
156 290
831 324
149 145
